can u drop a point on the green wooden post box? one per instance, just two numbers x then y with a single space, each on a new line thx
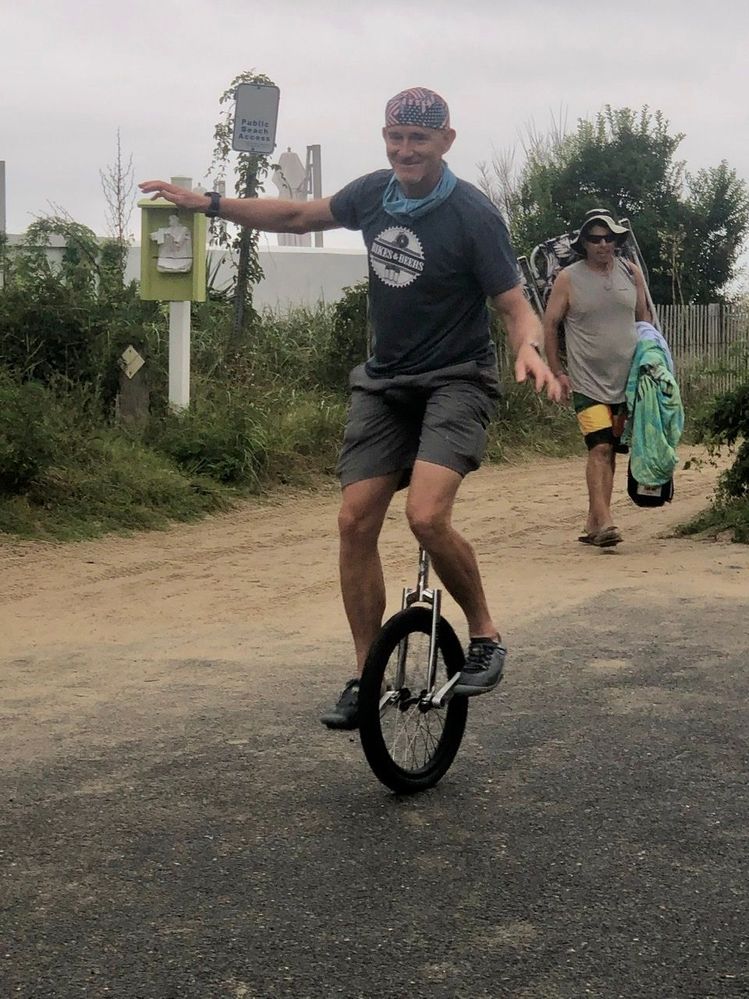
172 253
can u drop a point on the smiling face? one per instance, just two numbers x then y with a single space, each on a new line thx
415 154
600 244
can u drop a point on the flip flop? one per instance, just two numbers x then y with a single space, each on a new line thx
606 538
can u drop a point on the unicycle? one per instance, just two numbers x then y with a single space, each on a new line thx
410 722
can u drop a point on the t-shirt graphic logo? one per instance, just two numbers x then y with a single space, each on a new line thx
397 257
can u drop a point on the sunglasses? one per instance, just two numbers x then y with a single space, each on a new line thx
608 238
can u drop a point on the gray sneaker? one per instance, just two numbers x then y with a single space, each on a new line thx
484 667
345 713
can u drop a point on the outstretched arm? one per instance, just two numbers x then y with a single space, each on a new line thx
525 336
266 214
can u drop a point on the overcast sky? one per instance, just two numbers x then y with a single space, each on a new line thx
74 71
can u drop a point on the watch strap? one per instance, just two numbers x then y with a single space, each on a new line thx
215 206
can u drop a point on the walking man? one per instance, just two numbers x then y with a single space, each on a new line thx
598 299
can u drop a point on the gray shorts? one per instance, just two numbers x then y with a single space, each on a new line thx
439 416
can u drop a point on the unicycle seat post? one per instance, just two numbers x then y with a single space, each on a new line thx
422 593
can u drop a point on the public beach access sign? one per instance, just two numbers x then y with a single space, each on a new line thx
255 117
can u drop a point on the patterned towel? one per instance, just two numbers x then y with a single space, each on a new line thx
656 416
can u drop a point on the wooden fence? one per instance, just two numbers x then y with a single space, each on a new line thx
709 343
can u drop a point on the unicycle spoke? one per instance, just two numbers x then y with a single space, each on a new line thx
415 736
412 737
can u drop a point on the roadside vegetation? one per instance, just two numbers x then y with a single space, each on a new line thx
723 425
267 413
269 390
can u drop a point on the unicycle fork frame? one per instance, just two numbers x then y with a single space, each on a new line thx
423 593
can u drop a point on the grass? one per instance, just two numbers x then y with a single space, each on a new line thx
727 516
112 485
528 424
105 481
728 519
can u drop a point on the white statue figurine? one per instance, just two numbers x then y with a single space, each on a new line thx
175 247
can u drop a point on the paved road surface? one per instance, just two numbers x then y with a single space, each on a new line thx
179 826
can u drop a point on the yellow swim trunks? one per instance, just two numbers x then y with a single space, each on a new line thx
600 422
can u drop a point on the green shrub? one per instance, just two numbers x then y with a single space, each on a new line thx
69 319
726 422
27 440
223 437
66 474
349 340
305 436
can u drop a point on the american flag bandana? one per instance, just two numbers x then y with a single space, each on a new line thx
417 106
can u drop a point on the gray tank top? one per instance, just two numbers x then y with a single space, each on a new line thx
600 330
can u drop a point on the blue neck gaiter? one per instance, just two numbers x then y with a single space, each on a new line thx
406 209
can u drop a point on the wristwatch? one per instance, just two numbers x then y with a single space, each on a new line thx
215 206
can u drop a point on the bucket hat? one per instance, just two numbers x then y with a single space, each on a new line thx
598 216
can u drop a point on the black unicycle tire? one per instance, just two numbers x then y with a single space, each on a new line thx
386 769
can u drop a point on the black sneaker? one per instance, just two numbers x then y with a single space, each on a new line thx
484 667
345 714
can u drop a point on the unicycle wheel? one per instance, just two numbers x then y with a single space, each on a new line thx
408 744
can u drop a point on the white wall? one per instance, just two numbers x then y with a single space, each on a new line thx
294 275
306 275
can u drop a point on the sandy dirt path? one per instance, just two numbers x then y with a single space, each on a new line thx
82 625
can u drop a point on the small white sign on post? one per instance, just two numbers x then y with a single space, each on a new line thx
255 118
130 361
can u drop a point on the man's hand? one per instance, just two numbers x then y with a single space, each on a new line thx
530 364
566 387
192 201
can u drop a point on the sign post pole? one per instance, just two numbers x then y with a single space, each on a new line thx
255 119
245 241
179 355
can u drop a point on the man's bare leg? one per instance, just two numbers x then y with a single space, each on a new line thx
363 508
599 475
429 510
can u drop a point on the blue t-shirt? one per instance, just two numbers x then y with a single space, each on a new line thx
429 278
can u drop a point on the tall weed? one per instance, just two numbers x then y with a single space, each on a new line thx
222 436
